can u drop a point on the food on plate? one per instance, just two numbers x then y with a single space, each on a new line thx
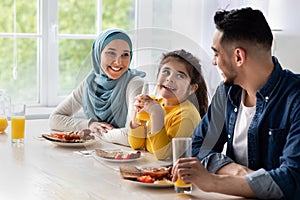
158 173
130 172
146 179
155 175
163 182
117 155
70 137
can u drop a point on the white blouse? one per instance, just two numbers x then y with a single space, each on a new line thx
66 116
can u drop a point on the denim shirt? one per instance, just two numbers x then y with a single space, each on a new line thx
273 135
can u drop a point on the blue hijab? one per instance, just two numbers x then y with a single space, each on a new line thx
104 99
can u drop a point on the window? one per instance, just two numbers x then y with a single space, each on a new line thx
45 43
19 40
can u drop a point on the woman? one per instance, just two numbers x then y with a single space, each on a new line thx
179 83
106 93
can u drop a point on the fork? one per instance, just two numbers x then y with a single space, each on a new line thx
85 152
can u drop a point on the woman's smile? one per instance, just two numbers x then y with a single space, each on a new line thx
116 69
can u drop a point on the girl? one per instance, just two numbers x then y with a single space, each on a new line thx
176 114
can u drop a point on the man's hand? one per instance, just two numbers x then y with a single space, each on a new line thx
234 169
190 170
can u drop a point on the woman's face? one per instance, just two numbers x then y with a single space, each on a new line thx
115 58
174 82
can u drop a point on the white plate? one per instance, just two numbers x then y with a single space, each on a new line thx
75 144
156 185
94 154
56 141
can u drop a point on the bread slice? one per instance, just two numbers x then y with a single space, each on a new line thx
130 172
105 154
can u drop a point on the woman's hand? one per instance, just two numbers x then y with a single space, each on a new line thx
100 127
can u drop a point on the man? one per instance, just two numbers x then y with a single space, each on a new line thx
256 112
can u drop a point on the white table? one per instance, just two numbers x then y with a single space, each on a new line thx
42 170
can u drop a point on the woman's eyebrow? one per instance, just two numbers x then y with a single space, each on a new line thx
113 49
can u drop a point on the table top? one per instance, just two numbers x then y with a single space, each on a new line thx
40 169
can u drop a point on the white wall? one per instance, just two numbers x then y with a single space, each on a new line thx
194 19
284 16
286 49
174 24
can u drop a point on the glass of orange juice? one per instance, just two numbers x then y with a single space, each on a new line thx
4 108
17 118
181 148
149 88
3 123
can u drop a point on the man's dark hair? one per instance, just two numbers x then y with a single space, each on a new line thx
244 25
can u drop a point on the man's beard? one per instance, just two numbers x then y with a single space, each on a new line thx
229 81
230 77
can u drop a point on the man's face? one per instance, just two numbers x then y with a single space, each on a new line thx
223 59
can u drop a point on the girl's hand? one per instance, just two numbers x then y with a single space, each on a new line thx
134 123
144 103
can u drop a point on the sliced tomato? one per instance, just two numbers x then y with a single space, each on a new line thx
146 179
57 135
127 157
119 157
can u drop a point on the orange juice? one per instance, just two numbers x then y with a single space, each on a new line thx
181 187
181 148
17 127
3 124
144 115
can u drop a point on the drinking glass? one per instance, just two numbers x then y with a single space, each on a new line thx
181 148
149 88
4 108
3 123
3 119
17 118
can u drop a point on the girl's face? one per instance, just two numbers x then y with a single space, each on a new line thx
174 83
115 58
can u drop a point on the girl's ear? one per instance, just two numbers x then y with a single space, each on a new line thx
193 88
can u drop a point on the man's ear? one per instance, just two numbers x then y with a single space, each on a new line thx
240 56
